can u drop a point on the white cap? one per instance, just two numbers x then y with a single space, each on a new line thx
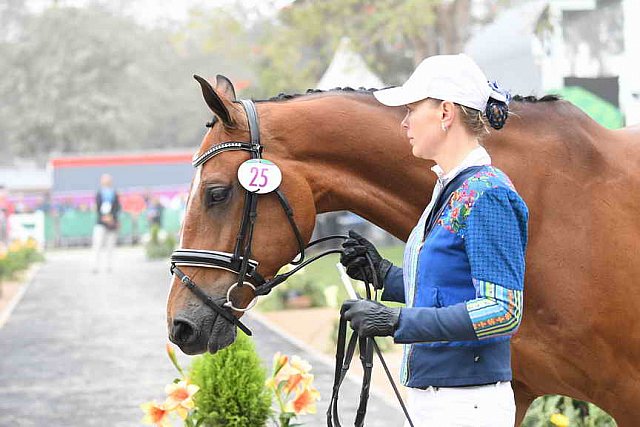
455 78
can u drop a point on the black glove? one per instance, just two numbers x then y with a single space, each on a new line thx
370 318
354 259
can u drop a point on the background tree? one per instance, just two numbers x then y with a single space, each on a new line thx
392 35
84 79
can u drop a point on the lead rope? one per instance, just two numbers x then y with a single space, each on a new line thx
344 355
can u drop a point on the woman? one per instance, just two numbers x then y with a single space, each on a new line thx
462 278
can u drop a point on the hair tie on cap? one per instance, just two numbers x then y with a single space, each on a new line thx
497 109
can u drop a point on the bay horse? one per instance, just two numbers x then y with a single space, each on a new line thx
342 150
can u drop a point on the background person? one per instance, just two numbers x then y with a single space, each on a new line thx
463 280
105 232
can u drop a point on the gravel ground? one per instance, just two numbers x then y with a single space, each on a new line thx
84 349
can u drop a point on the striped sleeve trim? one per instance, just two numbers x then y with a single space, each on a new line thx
496 311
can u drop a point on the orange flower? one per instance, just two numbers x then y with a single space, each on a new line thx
285 368
155 414
174 360
180 397
292 383
279 360
300 364
304 402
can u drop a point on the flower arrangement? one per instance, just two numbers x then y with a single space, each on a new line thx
179 399
292 385
230 388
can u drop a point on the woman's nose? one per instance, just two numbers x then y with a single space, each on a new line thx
404 124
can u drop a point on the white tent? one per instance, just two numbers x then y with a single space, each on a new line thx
347 68
507 49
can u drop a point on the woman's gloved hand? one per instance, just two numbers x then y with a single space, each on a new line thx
370 318
354 259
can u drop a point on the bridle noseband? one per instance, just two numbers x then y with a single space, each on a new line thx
240 261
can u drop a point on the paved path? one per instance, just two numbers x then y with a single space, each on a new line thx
85 350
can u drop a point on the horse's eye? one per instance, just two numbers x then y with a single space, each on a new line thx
217 195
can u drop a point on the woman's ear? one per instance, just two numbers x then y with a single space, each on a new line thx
447 113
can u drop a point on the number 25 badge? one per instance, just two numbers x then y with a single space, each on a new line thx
259 176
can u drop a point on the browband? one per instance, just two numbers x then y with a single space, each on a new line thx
221 148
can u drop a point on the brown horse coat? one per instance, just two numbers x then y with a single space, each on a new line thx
344 151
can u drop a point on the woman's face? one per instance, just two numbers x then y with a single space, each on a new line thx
424 129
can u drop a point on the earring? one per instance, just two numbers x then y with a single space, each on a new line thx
442 125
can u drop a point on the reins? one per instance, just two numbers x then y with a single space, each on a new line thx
366 347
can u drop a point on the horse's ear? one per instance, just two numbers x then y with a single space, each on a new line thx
224 86
214 101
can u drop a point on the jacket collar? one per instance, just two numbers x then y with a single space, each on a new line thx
476 157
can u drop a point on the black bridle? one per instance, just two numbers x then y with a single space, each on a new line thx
240 261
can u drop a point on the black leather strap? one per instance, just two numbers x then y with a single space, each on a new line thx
221 148
252 118
213 304
344 355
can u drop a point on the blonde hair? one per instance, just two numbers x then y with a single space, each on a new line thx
475 122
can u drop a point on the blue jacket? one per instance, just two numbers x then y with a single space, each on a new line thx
463 286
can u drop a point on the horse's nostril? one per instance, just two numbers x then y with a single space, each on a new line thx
184 331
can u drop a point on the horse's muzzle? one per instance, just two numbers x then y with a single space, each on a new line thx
187 335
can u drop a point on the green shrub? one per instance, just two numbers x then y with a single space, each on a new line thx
232 387
579 413
17 258
159 248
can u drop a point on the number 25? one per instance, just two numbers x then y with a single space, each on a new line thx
264 177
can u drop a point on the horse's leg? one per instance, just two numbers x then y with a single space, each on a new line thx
524 398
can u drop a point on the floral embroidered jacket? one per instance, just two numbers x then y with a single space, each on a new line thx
463 283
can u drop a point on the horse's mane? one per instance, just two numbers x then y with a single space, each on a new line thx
364 91
288 96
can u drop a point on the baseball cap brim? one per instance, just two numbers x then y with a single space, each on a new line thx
399 95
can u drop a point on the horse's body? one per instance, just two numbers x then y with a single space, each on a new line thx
580 335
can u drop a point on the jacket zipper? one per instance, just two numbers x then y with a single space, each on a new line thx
415 288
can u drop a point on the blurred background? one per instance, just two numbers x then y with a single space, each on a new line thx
93 87
90 86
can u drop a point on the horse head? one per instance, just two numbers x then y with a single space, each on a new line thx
214 217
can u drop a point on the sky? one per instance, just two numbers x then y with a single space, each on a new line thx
162 12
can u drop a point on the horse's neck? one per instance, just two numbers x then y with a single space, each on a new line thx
355 158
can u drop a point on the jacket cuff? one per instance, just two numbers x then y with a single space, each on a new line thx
393 289
428 324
